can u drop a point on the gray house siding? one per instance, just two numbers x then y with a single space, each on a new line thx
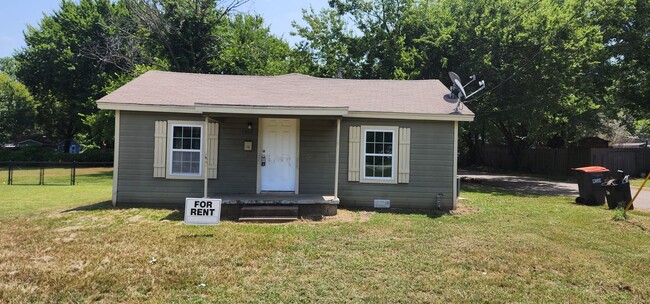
431 167
431 162
317 156
136 184
135 175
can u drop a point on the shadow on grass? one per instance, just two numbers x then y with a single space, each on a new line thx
195 236
177 215
479 187
105 205
522 185
174 214
429 213
498 191
106 174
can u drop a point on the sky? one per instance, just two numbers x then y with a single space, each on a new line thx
15 15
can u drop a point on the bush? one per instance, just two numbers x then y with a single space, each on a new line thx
620 215
46 154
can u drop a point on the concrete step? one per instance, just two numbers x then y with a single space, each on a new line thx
280 212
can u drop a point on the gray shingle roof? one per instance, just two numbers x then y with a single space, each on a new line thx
157 88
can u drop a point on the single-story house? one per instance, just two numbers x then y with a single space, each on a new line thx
291 139
29 143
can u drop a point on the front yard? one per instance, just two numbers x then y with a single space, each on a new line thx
500 248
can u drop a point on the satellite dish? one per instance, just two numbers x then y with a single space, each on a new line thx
456 81
458 85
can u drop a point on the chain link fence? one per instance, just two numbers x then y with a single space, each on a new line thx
52 173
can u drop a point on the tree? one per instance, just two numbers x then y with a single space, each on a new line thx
183 32
53 66
328 43
100 125
249 48
382 49
542 60
8 66
535 58
17 109
365 39
626 27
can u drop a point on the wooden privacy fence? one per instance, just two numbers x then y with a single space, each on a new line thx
558 162
52 172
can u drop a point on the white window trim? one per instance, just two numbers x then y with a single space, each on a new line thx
379 180
170 145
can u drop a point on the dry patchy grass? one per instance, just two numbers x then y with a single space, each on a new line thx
507 249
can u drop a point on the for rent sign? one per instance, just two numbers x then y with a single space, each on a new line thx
202 211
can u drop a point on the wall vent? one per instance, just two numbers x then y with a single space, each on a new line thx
382 203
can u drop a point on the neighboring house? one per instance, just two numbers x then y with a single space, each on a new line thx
631 145
244 138
29 143
74 148
30 140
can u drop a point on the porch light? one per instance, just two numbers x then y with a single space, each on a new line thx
250 126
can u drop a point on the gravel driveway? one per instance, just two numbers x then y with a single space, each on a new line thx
539 186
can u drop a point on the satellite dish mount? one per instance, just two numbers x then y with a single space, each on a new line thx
457 89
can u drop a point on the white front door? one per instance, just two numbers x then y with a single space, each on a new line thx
278 154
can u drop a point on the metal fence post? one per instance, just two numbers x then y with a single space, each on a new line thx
10 177
73 173
41 180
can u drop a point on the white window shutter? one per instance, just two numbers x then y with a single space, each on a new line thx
354 154
404 154
160 149
213 149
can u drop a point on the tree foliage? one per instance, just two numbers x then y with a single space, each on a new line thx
546 63
8 66
249 48
185 33
64 81
17 109
555 70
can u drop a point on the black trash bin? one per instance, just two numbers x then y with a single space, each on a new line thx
590 180
617 191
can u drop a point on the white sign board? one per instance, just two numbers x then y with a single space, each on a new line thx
202 211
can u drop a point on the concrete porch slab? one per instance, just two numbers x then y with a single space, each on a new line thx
276 199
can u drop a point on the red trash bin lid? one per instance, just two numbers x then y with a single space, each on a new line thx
592 169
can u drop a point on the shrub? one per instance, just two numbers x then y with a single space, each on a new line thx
47 154
620 215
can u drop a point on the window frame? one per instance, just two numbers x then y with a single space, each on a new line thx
379 180
171 124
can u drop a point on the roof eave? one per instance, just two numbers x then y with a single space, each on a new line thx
275 110
413 116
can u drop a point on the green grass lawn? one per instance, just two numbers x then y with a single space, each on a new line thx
501 247
636 182
26 197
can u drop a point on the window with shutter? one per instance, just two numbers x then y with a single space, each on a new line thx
379 154
160 149
404 169
213 149
353 154
179 152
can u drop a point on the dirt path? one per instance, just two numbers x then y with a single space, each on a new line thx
539 186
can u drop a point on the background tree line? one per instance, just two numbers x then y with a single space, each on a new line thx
556 70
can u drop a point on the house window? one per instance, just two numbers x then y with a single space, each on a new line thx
379 156
186 150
